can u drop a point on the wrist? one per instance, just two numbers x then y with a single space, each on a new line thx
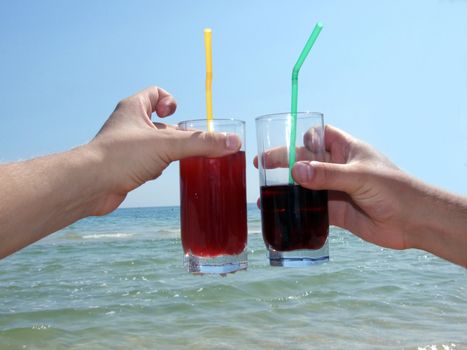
89 178
105 191
419 213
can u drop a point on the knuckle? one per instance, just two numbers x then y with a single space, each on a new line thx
140 101
122 104
322 175
153 89
131 102
211 140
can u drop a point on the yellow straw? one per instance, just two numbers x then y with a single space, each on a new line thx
208 48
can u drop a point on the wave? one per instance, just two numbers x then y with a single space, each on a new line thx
168 232
71 236
108 235
74 236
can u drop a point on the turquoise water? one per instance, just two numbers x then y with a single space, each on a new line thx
117 282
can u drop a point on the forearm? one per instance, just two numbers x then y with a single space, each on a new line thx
43 195
442 225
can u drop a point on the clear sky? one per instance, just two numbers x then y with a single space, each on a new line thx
393 73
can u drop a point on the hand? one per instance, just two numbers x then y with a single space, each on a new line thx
372 198
134 150
45 194
368 194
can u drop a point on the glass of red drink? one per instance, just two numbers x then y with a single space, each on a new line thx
294 219
213 205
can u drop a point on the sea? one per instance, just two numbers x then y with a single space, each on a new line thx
118 282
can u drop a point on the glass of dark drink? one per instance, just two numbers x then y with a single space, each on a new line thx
294 219
213 205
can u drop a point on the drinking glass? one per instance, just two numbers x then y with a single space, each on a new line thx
294 219
213 205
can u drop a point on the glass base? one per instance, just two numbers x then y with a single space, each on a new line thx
299 258
222 264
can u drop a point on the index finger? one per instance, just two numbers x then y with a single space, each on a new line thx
153 99
278 157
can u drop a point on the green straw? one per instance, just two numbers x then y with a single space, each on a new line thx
296 69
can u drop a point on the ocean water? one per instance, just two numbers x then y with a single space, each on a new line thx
117 282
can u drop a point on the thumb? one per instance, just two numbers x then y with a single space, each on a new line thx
202 144
327 176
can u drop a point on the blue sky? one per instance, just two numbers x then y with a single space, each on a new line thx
393 73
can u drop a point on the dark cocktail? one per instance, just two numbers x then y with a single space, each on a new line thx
294 217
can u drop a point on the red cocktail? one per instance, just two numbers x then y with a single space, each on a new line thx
213 209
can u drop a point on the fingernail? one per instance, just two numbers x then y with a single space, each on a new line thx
167 109
232 142
303 172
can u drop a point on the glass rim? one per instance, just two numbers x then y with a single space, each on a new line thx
214 121
278 116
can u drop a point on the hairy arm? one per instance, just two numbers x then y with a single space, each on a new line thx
43 195
439 224
372 198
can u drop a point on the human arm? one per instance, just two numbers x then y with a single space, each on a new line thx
374 199
42 195
383 205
